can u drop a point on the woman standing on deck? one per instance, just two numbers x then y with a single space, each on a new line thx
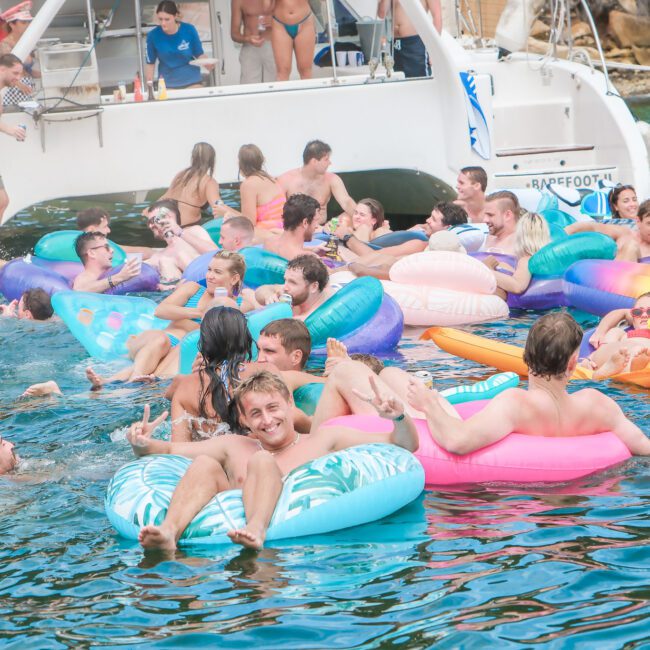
293 31
174 44
195 187
262 197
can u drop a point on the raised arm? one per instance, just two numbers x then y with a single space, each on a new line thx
341 195
493 423
615 232
608 322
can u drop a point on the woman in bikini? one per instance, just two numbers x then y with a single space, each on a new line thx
201 402
293 31
155 352
195 188
262 197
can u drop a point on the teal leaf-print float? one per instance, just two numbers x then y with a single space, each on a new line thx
343 489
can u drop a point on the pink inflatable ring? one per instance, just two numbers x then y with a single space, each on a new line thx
517 458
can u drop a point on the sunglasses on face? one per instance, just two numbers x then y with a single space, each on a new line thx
637 312
106 246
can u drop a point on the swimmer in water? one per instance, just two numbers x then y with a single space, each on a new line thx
34 304
257 462
618 349
8 457
545 409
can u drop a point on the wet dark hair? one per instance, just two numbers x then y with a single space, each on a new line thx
550 343
376 210
476 175
38 303
293 335
644 210
91 217
315 149
168 7
84 241
224 344
369 360
313 270
452 213
297 208
613 198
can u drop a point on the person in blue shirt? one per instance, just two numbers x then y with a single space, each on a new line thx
174 44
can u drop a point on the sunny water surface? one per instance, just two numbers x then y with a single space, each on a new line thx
484 567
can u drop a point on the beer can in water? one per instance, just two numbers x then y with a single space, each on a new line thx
425 377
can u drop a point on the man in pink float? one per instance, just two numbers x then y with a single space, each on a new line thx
545 409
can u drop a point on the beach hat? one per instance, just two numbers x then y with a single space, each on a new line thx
21 11
444 240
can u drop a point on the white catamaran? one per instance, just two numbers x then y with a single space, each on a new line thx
528 119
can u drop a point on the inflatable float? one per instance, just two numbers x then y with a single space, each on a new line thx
60 246
262 267
29 272
600 286
516 458
343 489
507 357
306 396
444 288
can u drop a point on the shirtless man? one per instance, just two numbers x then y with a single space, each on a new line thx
236 233
94 220
251 22
411 56
545 409
293 32
619 350
633 243
182 245
11 72
299 220
257 462
96 256
470 186
377 263
501 215
305 280
34 304
314 179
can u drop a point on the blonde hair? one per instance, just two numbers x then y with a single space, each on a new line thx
260 382
531 234
236 264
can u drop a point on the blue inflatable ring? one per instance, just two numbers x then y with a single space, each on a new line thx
59 245
343 489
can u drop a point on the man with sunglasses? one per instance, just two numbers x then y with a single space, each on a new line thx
96 255
620 348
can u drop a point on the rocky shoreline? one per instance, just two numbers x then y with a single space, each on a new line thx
624 30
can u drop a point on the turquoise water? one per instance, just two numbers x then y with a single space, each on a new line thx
557 566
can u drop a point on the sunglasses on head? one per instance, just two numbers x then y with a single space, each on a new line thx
637 312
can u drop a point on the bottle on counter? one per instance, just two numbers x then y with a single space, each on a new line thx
150 93
137 89
162 88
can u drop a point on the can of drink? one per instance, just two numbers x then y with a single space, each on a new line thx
221 292
24 128
425 377
287 298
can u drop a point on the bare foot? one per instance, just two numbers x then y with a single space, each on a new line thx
336 352
640 360
96 381
156 537
42 389
616 364
247 538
